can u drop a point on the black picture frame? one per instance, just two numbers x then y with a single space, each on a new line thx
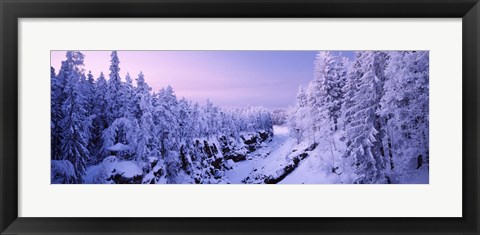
12 10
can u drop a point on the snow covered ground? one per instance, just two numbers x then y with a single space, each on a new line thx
324 165
281 160
264 161
321 166
111 166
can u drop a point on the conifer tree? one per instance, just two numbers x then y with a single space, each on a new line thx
405 110
167 128
74 123
99 122
115 94
364 130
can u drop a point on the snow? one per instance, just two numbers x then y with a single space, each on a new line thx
92 173
312 171
229 164
119 147
280 130
128 169
268 159
419 176
62 170
99 174
271 160
63 167
148 178
307 173
152 159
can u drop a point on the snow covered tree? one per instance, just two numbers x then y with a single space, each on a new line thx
364 129
89 94
121 137
72 64
115 94
99 122
185 121
74 123
318 97
148 143
128 95
229 129
335 78
279 116
405 110
300 121
186 135
325 94
57 97
196 123
167 126
52 72
211 114
88 103
350 89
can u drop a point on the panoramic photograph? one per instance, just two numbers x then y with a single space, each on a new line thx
239 117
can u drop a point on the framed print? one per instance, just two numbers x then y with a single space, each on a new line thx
239 117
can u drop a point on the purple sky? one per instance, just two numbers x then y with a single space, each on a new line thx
228 78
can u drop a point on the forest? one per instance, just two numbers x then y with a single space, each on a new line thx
359 121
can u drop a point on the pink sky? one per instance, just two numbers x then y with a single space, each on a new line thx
227 78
